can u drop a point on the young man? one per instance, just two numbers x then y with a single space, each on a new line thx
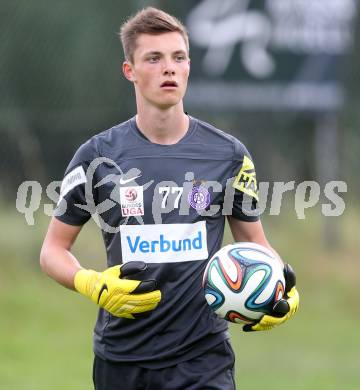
159 185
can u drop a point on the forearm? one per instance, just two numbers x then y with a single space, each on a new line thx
60 264
250 232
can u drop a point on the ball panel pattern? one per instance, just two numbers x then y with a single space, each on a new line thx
242 282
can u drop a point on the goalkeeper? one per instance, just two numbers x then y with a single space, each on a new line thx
160 186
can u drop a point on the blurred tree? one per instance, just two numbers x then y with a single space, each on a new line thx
61 79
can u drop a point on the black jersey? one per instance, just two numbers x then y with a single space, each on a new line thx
165 205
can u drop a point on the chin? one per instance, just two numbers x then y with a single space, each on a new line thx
168 103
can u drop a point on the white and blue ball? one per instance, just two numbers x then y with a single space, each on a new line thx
243 281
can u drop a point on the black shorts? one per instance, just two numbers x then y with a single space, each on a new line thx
213 370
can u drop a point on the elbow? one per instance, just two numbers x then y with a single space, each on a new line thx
44 256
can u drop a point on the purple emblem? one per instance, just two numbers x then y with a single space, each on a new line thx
199 198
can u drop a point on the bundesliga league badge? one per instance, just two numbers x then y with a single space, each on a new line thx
132 201
199 197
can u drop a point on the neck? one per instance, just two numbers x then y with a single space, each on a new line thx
166 127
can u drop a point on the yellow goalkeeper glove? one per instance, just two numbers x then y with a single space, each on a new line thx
120 297
283 309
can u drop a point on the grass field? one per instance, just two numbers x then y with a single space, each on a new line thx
45 330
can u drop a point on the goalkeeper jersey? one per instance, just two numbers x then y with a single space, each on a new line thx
164 205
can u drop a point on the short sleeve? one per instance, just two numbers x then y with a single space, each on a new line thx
246 195
77 197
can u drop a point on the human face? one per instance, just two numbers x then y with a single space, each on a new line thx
160 69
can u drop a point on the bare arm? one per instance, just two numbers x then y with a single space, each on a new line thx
55 258
249 232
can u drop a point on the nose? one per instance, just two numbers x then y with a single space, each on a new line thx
169 72
169 69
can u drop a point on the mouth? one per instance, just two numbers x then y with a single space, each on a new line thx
169 84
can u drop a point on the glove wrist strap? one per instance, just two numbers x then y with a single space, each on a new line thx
84 281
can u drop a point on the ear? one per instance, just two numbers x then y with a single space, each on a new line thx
128 71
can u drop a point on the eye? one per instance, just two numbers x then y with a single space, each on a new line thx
180 58
153 59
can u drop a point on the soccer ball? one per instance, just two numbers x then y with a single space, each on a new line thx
243 281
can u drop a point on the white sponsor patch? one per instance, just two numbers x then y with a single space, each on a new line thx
71 180
132 201
167 243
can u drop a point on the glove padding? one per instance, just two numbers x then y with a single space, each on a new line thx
283 309
120 297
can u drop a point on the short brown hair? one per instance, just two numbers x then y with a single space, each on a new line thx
150 20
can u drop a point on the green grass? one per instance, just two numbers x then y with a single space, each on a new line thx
46 330
45 335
